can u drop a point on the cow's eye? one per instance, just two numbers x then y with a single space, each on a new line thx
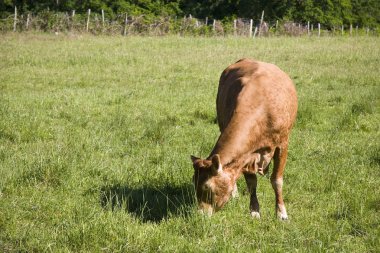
206 187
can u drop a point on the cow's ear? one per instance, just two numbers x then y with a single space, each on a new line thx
194 159
216 164
196 162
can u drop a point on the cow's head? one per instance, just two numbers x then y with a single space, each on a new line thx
213 186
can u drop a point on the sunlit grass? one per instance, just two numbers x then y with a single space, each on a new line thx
96 135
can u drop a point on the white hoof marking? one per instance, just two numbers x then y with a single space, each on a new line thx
282 216
281 213
255 215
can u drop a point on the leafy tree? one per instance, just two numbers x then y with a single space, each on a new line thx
366 12
327 12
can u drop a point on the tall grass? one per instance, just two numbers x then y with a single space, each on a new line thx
96 134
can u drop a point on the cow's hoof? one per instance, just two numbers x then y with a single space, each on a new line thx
206 213
283 217
255 215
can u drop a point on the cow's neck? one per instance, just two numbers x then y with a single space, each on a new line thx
235 146
234 171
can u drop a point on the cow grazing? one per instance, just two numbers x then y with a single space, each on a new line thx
256 108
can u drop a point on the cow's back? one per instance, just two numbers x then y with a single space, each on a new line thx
256 99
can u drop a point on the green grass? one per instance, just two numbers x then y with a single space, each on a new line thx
96 135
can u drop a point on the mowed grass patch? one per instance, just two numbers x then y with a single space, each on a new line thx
96 135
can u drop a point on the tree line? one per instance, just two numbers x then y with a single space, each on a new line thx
328 12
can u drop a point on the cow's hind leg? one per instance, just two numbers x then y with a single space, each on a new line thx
279 158
251 180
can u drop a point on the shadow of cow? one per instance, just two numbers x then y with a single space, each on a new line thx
149 204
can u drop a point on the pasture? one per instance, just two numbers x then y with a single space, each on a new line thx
96 135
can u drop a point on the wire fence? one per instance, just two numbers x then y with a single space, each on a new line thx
122 24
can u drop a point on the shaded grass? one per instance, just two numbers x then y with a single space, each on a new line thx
149 204
96 134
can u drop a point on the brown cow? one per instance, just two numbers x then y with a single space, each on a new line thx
256 107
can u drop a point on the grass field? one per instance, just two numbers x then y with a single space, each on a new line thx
96 135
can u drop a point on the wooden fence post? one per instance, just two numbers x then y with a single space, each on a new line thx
261 22
319 29
250 28
15 20
125 24
206 21
254 34
88 19
308 28
214 25
277 26
299 29
102 17
342 30
235 32
350 29
72 20
27 21
367 31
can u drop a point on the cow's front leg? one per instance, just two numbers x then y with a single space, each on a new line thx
235 192
279 158
251 180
